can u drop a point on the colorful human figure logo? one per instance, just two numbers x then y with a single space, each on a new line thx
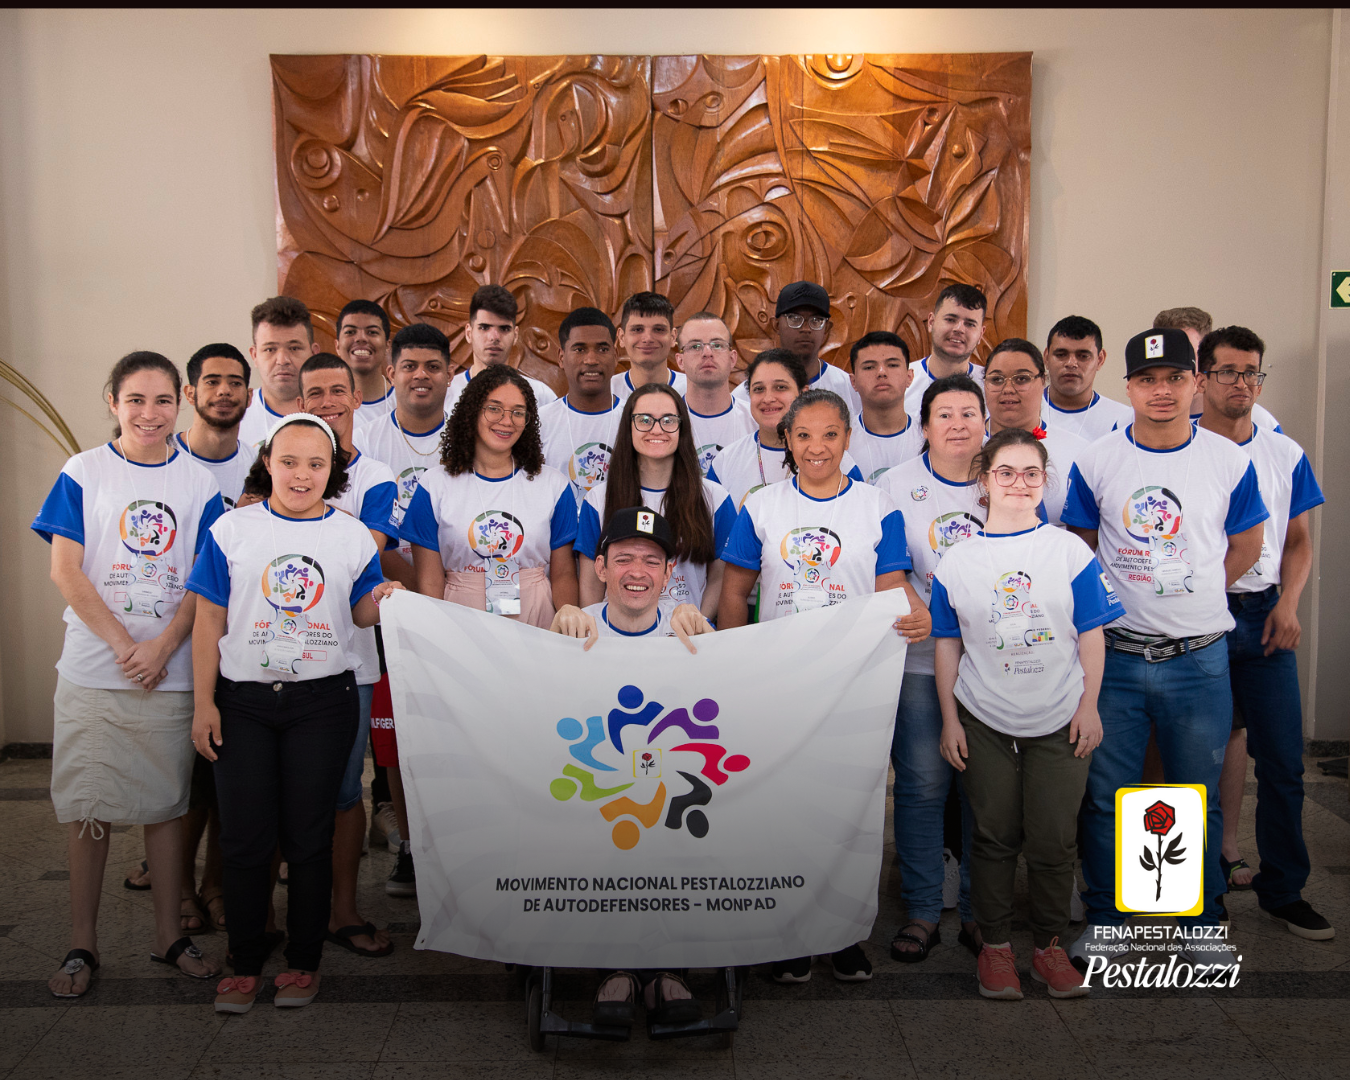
589 464
1152 513
496 535
148 528
408 481
951 529
683 741
809 553
293 583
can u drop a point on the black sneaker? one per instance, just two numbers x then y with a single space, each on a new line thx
1303 921
792 971
851 965
402 879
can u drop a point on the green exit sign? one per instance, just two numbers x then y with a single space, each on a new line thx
1340 288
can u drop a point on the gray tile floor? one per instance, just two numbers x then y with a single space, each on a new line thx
419 1015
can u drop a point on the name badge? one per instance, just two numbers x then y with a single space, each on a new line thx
809 598
286 647
503 587
1171 571
144 598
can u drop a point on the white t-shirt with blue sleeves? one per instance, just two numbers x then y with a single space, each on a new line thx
689 580
621 385
229 472
578 444
1099 417
141 527
923 379
471 519
747 465
713 431
816 552
876 453
1288 488
829 377
1169 510
1018 602
257 420
408 456
288 586
660 628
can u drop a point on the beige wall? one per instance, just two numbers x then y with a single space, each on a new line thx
1178 158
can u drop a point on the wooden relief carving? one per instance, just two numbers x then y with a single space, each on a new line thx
716 180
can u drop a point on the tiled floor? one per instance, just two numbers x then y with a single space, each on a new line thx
419 1015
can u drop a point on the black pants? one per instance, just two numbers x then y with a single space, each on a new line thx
284 749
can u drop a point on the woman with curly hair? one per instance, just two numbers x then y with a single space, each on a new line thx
655 464
492 526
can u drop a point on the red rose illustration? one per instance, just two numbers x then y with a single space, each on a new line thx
1159 819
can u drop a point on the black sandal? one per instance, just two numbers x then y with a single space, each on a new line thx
974 942
673 1010
183 946
925 944
76 961
126 881
344 935
616 1013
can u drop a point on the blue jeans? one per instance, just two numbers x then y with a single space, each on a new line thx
1265 689
922 780
1188 701
349 794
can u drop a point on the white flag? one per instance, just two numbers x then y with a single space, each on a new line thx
638 806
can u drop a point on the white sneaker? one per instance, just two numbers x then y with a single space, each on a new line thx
1112 949
951 880
386 821
1076 912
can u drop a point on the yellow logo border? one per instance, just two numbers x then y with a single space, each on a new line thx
1120 849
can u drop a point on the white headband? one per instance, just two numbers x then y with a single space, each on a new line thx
295 416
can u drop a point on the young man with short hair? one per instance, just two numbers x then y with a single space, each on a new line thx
217 390
707 356
955 327
283 339
1073 357
802 323
885 434
329 390
491 334
1175 516
1263 669
579 429
363 344
646 334
1196 323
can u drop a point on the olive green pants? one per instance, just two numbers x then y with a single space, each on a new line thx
1024 795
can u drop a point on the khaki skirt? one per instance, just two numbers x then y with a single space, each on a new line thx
121 756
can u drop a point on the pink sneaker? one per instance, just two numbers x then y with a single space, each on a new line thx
998 974
1053 967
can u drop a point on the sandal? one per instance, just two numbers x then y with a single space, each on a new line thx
925 944
76 961
673 1010
236 994
127 883
343 937
297 980
215 907
972 941
1229 868
189 908
183 947
618 1013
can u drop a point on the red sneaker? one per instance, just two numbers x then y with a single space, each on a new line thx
998 974
1053 967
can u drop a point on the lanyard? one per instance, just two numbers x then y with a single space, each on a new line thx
510 482
833 509
271 520
567 416
131 479
1139 467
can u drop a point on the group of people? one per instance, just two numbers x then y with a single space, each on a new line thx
1070 633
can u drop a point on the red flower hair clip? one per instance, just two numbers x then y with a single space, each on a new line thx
1038 432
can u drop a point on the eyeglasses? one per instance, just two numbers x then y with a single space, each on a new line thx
718 347
1229 377
1033 478
1021 380
646 421
816 322
496 412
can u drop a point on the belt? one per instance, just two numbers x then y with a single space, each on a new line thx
1157 649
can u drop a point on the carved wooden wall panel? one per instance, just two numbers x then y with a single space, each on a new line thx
716 180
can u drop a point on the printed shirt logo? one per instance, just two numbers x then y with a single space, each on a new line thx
148 528
809 553
950 529
408 481
877 475
589 464
706 453
293 583
919 494
697 758
1152 513
1019 625
496 535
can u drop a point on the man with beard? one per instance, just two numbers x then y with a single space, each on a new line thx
363 343
954 330
283 339
217 389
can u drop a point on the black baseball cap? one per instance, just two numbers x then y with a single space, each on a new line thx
1159 348
803 294
638 523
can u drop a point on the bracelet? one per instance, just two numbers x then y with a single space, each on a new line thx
375 598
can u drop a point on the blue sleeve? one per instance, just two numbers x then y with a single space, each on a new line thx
419 523
1080 504
945 622
210 576
712 472
1245 507
563 525
62 513
370 577
724 520
377 511
1306 493
210 514
1094 603
855 473
588 531
743 546
1279 429
892 551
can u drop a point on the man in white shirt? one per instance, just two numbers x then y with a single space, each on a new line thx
1195 323
491 334
646 335
1073 357
886 434
217 390
1263 669
363 344
955 328
579 430
707 355
802 323
1175 516
283 339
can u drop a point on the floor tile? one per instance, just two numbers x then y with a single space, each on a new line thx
1012 1040
789 1030
1304 1039
163 1070
539 1068
20 1031
92 1038
458 1032
317 1033
289 1070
